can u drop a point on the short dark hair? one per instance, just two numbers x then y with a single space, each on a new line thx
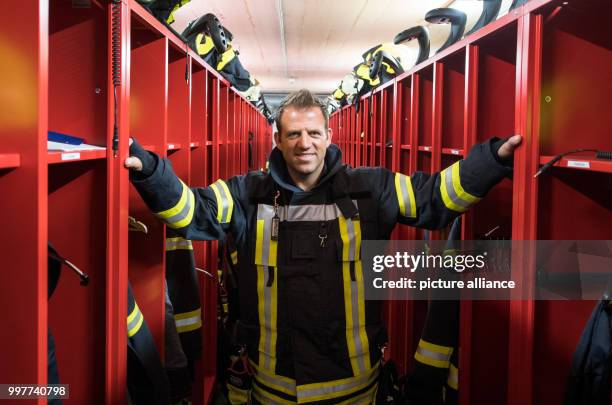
302 99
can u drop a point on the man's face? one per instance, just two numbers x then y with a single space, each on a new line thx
303 140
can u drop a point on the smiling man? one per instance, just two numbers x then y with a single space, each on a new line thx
310 335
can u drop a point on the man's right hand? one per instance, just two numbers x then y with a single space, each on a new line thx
132 162
140 162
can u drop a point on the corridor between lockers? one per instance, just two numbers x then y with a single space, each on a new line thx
108 300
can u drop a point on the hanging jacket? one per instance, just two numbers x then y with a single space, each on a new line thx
435 374
183 289
589 379
177 367
310 335
146 378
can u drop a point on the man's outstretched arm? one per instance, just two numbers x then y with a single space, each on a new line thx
432 201
194 213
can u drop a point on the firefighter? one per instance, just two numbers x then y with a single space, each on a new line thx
309 334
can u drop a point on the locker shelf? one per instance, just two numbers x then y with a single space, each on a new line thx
424 148
405 147
174 146
65 157
580 162
194 145
453 151
10 160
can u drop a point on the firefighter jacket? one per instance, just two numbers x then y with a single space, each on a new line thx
435 374
146 378
184 293
589 380
310 335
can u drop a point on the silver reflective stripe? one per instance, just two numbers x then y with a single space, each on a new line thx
356 336
323 212
279 383
267 315
297 213
433 355
350 229
134 321
450 188
265 212
225 203
343 388
175 220
405 195
178 243
187 321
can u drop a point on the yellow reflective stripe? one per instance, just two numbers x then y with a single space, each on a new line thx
133 314
270 379
454 196
405 195
237 396
453 377
178 243
361 312
354 303
134 321
399 195
229 200
178 207
461 193
266 397
259 241
433 355
204 48
225 202
188 321
226 57
362 399
181 214
234 257
265 252
219 201
348 309
337 388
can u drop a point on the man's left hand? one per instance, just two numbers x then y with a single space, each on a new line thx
506 151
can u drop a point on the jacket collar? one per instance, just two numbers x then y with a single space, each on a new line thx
280 174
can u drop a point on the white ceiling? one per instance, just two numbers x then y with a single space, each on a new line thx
323 40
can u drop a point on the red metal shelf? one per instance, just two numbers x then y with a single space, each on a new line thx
581 162
405 147
424 148
66 157
174 146
194 145
208 143
10 160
